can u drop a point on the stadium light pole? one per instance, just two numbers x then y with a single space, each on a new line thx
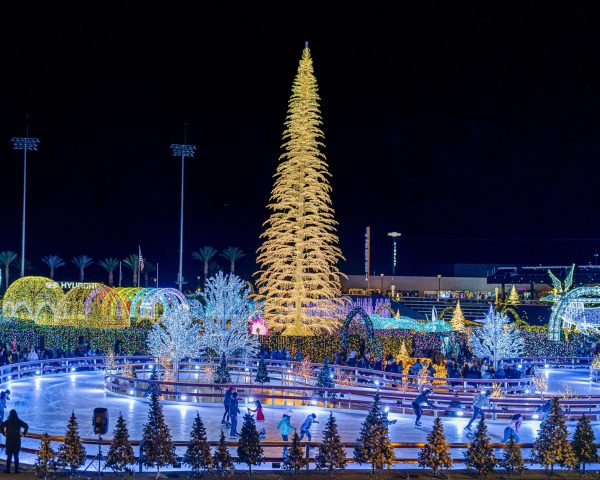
24 143
394 236
182 150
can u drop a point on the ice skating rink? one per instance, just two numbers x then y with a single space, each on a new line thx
45 403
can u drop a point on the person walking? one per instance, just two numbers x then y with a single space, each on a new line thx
284 428
233 413
260 419
226 401
422 398
11 428
305 427
480 402
513 428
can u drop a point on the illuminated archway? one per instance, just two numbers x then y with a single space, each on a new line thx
366 321
32 298
383 307
157 301
93 305
579 307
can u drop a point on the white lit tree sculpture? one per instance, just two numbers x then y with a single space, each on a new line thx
176 337
497 339
225 315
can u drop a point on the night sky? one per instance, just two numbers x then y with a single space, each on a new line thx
472 128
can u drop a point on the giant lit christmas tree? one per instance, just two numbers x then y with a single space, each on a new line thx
298 276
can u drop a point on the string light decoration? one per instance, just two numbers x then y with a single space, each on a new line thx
541 382
513 297
258 326
150 304
225 317
33 298
93 305
457 322
298 277
175 337
497 338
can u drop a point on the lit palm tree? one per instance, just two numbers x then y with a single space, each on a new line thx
7 258
205 255
53 262
132 262
82 262
232 254
110 264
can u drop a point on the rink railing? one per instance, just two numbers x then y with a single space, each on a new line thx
289 389
273 449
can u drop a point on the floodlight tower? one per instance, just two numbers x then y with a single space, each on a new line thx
182 150
394 236
24 143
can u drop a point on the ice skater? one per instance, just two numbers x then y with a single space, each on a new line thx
233 413
284 428
260 419
422 398
480 402
11 429
305 427
513 428
226 401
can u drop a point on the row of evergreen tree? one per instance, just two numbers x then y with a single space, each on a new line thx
552 447
374 447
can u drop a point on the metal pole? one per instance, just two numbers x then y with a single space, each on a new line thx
156 274
24 207
180 277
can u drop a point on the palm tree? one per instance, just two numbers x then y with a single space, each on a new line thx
82 262
232 254
132 262
109 264
205 255
53 262
6 259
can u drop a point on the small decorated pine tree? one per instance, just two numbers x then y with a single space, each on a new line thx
120 452
325 378
513 297
374 445
584 442
197 455
249 450
157 445
512 461
223 462
552 445
295 459
435 454
222 374
262 376
72 453
332 455
46 458
457 322
480 454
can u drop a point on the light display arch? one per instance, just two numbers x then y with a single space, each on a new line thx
151 303
33 298
580 308
93 305
366 320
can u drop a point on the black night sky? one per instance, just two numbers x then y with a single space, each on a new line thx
472 128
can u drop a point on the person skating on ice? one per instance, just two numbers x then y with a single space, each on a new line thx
422 398
305 427
480 402
260 419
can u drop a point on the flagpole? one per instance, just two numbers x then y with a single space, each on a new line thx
120 273
156 274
